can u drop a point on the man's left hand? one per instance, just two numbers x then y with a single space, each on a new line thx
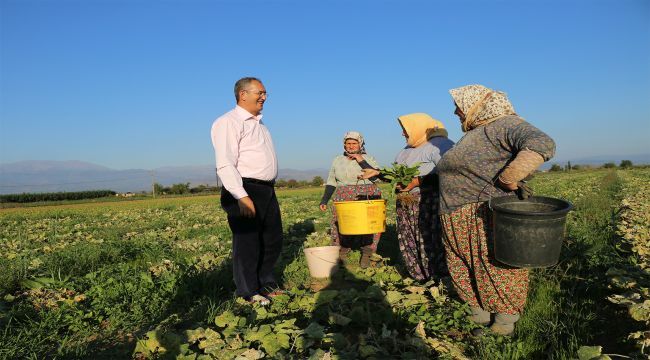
246 207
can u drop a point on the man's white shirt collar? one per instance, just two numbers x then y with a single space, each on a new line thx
243 114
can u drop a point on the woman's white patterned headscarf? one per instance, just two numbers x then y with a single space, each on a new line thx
480 105
354 135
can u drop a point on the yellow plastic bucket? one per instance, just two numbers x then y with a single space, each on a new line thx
361 217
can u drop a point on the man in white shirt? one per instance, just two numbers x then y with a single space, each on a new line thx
247 166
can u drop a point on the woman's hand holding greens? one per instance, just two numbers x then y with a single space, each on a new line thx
368 173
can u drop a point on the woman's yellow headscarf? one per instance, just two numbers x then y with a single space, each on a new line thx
421 127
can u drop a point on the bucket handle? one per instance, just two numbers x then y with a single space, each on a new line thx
357 186
490 194
320 258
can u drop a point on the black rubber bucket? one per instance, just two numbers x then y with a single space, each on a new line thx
528 233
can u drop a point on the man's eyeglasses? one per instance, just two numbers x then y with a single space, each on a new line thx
258 93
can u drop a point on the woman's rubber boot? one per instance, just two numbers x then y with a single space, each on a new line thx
479 316
504 324
366 253
343 255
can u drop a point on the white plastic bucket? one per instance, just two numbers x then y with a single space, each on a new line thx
322 261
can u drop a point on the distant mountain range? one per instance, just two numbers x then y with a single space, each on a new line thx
55 176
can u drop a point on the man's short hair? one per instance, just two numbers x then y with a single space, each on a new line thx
242 83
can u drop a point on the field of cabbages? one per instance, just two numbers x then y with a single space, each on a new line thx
152 279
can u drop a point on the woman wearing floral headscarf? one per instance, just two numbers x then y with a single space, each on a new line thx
342 182
498 150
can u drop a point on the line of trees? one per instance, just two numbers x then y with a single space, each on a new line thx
185 188
56 196
625 164
175 189
292 184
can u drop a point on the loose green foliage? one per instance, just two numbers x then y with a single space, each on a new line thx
400 174
153 279
317 239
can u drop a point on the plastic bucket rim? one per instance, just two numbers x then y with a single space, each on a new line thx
330 268
530 265
362 200
316 248
566 209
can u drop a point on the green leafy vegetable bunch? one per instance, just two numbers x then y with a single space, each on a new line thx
400 174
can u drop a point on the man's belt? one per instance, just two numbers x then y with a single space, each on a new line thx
258 181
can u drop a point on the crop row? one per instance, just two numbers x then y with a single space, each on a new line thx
633 227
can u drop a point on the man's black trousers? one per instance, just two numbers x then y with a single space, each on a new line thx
256 242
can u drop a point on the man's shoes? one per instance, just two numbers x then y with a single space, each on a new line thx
272 293
258 299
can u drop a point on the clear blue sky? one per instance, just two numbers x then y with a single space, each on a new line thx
137 84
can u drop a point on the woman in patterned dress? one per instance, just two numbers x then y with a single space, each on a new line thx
498 150
342 182
418 228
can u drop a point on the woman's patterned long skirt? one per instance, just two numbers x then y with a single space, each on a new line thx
418 234
478 278
347 193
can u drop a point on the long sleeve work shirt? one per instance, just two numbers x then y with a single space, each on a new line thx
468 171
427 155
345 171
243 149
